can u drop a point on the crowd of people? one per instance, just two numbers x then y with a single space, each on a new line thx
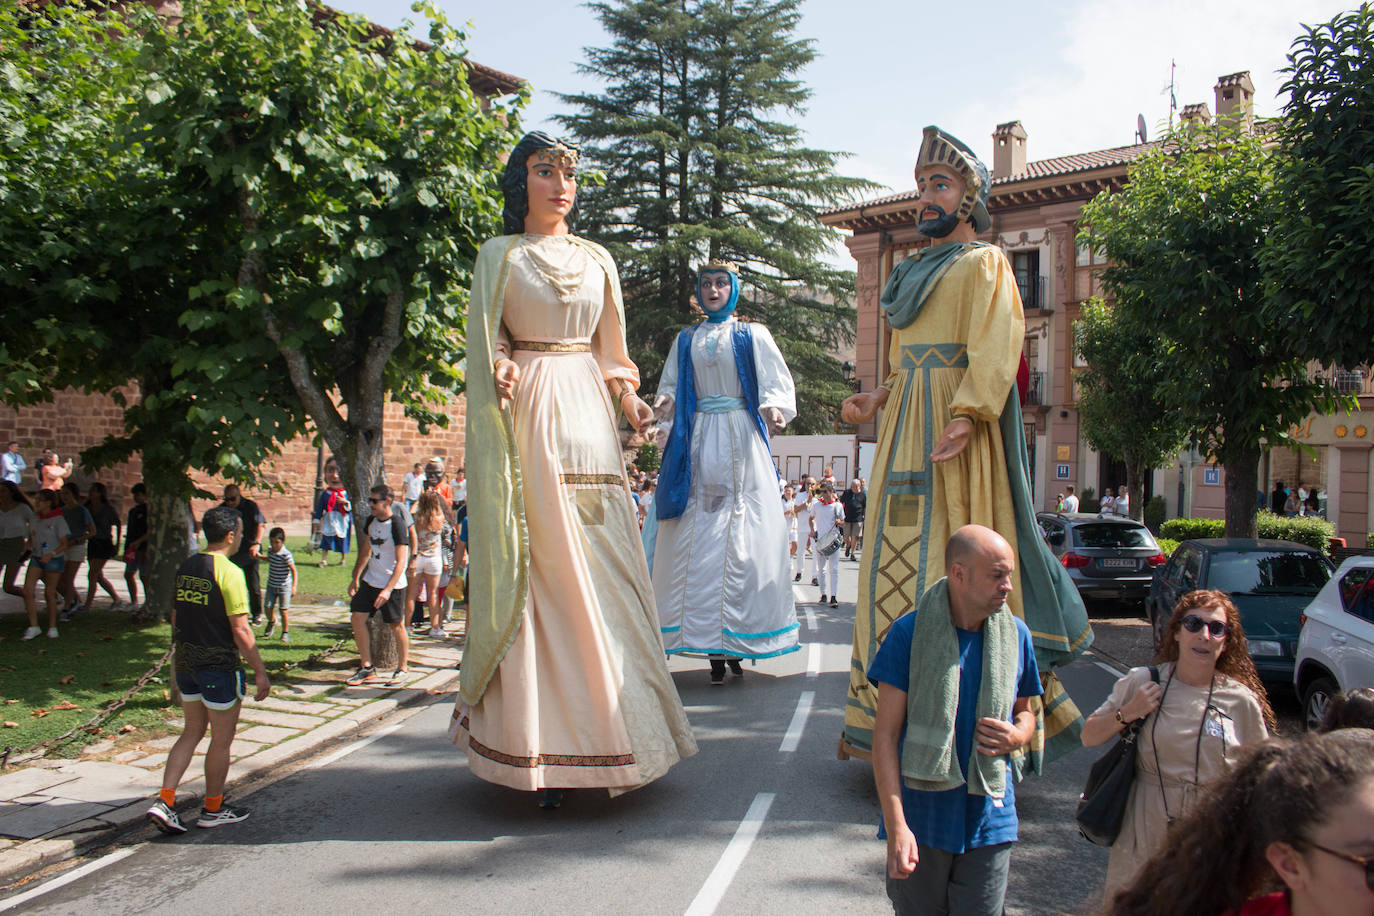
48 533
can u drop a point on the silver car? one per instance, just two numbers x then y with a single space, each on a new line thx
1336 644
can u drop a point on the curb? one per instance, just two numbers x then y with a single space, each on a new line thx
25 859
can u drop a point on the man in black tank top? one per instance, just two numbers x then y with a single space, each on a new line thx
211 633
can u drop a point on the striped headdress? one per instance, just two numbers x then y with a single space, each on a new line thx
939 148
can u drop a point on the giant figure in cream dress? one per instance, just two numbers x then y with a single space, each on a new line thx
564 682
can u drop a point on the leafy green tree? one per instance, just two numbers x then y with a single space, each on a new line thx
700 164
255 213
1120 405
1317 257
1183 242
96 264
354 174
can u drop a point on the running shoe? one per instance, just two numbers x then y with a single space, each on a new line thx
227 814
286 636
834 602
397 678
31 633
268 632
165 819
366 675
52 632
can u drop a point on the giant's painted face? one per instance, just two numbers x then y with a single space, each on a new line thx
717 292
941 191
551 184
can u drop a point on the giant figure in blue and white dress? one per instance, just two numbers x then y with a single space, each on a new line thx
719 538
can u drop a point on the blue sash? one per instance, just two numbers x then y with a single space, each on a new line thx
675 472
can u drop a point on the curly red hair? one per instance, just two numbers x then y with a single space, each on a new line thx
1235 661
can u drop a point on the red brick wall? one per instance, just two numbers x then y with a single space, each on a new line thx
74 421
70 423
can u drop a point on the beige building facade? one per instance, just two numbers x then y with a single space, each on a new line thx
1035 208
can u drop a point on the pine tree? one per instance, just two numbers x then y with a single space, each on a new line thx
700 163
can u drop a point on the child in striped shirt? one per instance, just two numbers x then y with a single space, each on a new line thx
281 582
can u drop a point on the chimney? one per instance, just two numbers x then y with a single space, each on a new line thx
1236 100
1194 116
1008 150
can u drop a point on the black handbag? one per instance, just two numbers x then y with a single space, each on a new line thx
1102 806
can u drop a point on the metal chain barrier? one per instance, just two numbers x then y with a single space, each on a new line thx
44 747
95 721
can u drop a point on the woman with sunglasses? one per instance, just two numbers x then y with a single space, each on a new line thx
1207 705
1290 832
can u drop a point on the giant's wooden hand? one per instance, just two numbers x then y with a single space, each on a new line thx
507 378
862 408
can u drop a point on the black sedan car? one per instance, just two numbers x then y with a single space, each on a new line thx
1271 583
1107 557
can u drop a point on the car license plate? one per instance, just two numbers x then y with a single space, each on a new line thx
1116 564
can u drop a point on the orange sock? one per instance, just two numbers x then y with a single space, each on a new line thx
168 796
212 802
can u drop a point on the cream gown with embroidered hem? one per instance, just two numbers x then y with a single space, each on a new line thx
583 697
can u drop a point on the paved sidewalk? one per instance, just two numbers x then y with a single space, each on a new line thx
55 809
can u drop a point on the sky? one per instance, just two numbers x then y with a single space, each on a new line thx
1075 72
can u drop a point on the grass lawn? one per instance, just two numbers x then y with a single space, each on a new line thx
98 657
312 582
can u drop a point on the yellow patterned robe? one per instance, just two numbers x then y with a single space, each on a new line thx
959 356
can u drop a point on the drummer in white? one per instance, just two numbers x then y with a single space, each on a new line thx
827 526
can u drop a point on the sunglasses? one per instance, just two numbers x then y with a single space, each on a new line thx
1366 861
1215 628
374 500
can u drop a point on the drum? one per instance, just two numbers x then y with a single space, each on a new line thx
830 543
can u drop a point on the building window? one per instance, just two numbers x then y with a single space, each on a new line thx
1088 266
1026 266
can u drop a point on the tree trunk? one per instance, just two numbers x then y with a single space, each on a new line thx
1135 487
386 654
1242 478
168 543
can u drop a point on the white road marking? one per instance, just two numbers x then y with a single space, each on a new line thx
718 881
1113 670
811 619
813 660
794 731
74 875
343 752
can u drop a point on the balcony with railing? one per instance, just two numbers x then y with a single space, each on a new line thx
1032 292
1035 394
1358 381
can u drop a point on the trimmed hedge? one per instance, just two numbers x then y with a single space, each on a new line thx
1155 513
1167 546
1309 530
1186 529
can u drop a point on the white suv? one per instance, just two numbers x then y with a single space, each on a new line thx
1336 646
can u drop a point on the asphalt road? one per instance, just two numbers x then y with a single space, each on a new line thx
764 819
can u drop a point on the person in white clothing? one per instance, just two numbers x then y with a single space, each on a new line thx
720 553
801 505
412 485
1107 504
12 464
789 512
1070 500
1123 502
826 515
